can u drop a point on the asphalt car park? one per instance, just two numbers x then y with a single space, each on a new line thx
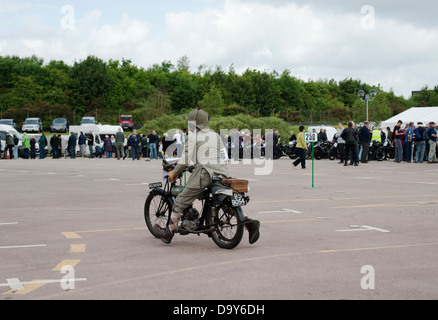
74 230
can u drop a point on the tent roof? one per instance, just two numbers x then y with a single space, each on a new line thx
420 114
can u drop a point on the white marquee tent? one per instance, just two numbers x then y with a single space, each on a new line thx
415 115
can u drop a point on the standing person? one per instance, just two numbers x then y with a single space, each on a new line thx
389 134
350 136
341 143
205 148
60 146
144 145
16 142
9 145
397 142
409 139
133 141
32 147
153 139
420 144
82 140
120 144
364 139
54 143
72 140
301 148
90 140
178 143
236 144
113 146
322 136
42 141
26 145
432 142
108 146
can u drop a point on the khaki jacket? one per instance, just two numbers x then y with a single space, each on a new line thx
204 150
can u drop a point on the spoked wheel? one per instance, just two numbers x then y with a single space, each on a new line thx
157 210
228 232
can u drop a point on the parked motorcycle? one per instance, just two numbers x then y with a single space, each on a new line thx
377 151
221 217
322 149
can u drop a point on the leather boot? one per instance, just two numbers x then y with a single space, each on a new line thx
253 229
164 233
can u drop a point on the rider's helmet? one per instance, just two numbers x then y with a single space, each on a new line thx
200 117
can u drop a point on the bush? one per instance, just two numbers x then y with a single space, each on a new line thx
217 123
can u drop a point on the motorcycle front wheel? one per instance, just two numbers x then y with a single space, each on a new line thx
228 231
157 210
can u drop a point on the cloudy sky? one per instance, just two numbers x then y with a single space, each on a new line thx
393 43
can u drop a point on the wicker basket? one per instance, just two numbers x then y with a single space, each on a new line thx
238 185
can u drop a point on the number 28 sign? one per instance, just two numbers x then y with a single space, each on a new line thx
311 137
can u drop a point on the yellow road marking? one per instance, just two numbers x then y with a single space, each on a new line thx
295 220
66 263
75 234
75 248
27 288
71 235
231 262
402 204
379 248
342 199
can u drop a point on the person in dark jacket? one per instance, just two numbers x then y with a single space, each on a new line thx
72 145
42 142
107 144
82 144
420 143
32 147
364 140
350 136
54 143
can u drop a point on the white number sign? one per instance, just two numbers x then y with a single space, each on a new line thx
311 137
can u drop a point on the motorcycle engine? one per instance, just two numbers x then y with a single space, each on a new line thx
190 219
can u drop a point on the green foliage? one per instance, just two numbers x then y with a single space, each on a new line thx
219 123
32 87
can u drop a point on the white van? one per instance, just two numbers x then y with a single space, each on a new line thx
98 131
7 128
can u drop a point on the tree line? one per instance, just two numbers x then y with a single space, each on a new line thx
30 87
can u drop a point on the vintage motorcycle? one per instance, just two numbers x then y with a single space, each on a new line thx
221 217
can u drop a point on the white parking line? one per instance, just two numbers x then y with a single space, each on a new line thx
7 223
24 246
280 211
16 284
363 228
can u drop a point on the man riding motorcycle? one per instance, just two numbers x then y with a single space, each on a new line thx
203 149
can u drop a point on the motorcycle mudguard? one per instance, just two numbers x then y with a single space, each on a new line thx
162 193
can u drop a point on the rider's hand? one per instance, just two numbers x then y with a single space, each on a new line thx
172 175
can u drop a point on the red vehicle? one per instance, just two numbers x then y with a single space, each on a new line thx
126 122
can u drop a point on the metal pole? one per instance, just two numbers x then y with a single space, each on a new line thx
367 99
313 166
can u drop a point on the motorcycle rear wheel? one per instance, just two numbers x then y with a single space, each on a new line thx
228 231
157 210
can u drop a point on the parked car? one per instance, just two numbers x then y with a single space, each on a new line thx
32 125
59 125
9 122
88 121
126 122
